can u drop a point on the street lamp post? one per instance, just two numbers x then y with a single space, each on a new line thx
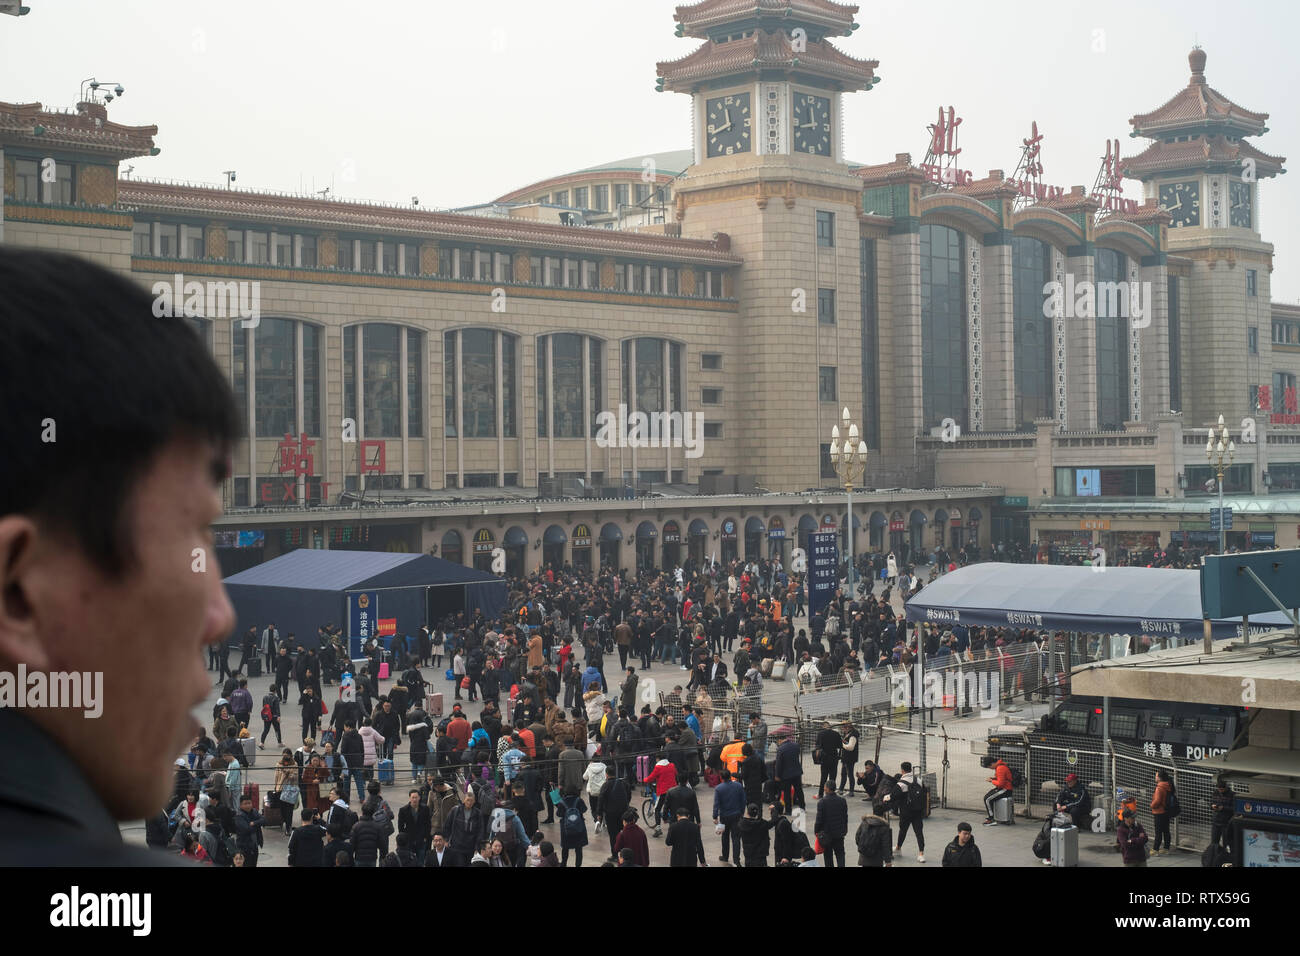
1215 454
850 460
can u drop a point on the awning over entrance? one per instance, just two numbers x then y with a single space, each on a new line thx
1155 601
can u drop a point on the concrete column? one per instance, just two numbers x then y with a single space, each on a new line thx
586 399
272 255
401 258
359 376
500 400
668 397
998 371
460 414
901 342
550 406
250 366
300 417
1081 345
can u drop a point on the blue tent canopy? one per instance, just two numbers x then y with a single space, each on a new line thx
1156 601
304 589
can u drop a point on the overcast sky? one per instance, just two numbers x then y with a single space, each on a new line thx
458 103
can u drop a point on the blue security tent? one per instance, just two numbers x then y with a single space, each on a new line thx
306 588
1160 602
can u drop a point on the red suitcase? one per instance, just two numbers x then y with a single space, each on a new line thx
254 791
433 705
643 767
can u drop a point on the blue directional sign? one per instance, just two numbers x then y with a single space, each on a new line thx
823 569
1228 591
1220 516
363 613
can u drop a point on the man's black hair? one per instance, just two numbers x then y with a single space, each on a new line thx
84 350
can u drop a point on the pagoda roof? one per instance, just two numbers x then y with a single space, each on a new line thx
1198 105
711 16
762 52
87 130
1200 152
348 216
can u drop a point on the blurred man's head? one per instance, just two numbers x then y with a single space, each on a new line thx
116 429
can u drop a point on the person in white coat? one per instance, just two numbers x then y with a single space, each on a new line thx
891 567
595 776
373 741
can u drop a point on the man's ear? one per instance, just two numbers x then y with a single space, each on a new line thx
20 641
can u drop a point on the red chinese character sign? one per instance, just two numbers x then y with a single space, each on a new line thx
296 461
940 166
1028 177
1108 190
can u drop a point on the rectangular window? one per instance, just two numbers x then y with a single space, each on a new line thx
654 275
414 383
620 277
638 277
713 429
234 245
142 239
389 253
827 465
508 377
1252 278
826 388
1176 347
27 182
596 398
64 191
478 387
711 396
449 386
1252 342
600 198
366 263
543 393
345 255
580 197
412 259
711 361
570 273
535 270
620 194
169 244
561 198
259 249
1282 383
553 272
590 274
484 266
870 344
642 192
194 245
308 252
1132 482
283 250
826 306
1236 480
671 282
825 228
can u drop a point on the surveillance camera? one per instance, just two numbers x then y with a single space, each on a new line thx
415 200
94 84
1209 485
118 89
108 97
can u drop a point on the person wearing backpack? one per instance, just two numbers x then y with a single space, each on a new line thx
506 827
573 829
874 839
270 720
1164 807
909 799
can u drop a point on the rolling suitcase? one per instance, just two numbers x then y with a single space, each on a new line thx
1065 846
250 750
765 668
383 671
254 791
1004 810
386 775
643 767
433 705
778 670
273 815
254 667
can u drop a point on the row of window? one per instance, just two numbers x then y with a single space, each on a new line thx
179 240
28 185
596 198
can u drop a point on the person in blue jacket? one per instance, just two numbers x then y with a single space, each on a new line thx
729 803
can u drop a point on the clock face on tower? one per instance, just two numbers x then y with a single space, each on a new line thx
1183 202
728 124
1239 205
812 124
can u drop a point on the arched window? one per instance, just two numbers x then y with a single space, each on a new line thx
276 375
1031 269
656 388
451 548
943 325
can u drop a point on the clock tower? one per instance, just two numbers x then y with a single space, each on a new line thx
766 87
1206 175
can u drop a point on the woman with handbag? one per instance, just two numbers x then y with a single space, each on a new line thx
286 788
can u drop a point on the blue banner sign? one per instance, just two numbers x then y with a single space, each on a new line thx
363 612
823 569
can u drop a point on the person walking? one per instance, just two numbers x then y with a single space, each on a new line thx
754 836
873 839
788 774
1132 840
573 829
908 798
848 756
827 756
831 826
270 719
685 840
728 807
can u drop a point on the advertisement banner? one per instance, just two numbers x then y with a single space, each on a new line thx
363 613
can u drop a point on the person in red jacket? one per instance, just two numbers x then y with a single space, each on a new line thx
633 838
1002 787
664 778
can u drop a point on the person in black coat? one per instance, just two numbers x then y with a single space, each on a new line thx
465 828
684 837
827 753
367 835
615 796
832 826
413 820
788 774
307 842
754 837
753 772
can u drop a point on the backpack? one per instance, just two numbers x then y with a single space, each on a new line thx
915 798
572 823
503 828
1172 807
1215 855
1017 777
870 846
266 712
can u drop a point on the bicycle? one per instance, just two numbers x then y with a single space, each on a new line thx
648 804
